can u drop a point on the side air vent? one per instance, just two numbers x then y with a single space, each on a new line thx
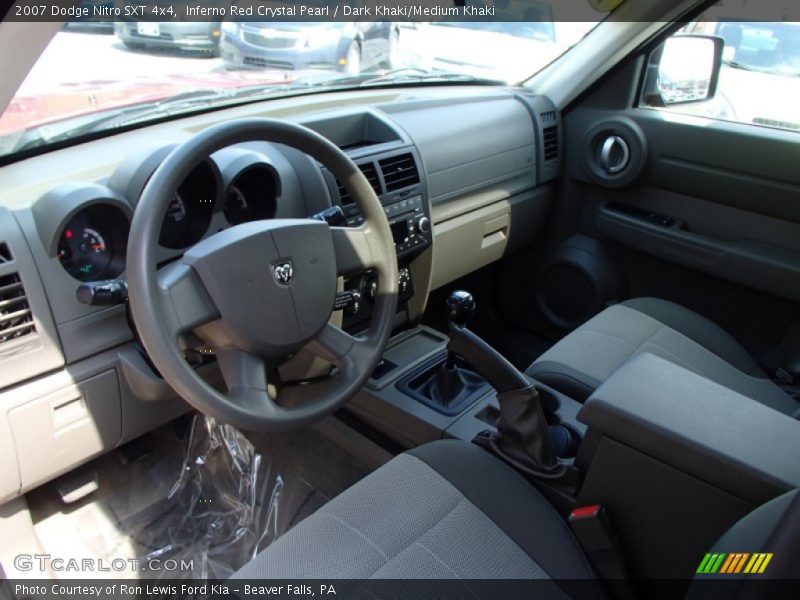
548 117
16 320
371 173
399 172
5 253
550 135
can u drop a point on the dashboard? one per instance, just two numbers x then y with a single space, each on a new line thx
464 174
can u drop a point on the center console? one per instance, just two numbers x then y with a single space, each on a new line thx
398 181
672 458
677 458
431 385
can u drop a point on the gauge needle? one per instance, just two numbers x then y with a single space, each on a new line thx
97 247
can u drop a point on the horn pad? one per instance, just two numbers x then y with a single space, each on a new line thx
273 281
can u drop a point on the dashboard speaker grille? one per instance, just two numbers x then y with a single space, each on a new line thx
550 135
16 320
371 173
399 172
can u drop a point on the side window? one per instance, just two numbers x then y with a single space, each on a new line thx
759 79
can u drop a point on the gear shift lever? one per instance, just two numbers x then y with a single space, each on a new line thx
460 308
451 384
523 437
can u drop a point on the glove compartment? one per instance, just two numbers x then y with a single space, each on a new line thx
474 231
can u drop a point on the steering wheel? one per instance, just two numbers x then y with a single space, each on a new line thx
261 291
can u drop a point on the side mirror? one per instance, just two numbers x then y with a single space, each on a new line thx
688 69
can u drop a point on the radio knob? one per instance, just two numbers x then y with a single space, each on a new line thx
424 224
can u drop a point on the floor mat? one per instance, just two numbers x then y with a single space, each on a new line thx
209 502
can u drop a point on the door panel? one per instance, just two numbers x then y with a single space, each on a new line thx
715 201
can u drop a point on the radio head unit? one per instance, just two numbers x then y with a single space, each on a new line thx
410 225
399 183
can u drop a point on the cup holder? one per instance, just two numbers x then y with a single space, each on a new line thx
565 438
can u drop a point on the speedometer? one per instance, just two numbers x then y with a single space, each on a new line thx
236 207
252 194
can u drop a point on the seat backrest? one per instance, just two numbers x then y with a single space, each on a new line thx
756 558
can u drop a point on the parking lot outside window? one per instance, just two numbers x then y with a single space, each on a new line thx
759 80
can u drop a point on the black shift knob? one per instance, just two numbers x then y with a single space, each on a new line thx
460 308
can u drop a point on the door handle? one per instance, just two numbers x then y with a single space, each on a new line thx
614 154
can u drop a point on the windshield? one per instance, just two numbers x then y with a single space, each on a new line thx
530 30
768 47
97 75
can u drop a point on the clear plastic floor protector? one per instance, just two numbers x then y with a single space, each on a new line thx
226 503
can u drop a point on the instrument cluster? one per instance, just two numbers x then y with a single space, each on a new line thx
88 225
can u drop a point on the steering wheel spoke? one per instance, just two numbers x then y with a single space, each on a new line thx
347 352
245 376
185 300
353 250
332 344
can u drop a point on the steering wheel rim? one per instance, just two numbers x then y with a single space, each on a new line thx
188 296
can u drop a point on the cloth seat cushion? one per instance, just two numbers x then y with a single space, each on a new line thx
445 510
588 356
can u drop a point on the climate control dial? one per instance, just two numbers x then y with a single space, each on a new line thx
403 280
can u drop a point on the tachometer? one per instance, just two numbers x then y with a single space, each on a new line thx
189 212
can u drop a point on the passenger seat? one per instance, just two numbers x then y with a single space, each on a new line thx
585 358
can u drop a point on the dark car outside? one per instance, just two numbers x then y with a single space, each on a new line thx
180 35
346 47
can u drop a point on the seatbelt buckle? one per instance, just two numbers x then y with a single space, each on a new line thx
599 540
592 527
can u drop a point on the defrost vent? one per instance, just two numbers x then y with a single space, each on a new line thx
548 117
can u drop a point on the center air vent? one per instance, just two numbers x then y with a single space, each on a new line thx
5 253
550 138
399 171
372 176
16 319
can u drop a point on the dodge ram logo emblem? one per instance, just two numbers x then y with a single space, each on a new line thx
284 273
